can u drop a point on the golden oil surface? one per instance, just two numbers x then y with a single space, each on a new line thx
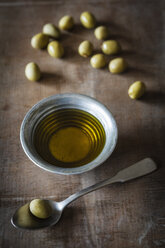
69 144
69 138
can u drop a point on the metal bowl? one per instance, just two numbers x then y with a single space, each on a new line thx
70 101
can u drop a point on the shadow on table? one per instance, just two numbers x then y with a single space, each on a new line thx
51 79
80 30
154 97
116 31
71 40
130 149
72 217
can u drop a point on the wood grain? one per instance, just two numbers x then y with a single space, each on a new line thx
130 215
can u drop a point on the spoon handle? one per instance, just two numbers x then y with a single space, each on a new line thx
136 170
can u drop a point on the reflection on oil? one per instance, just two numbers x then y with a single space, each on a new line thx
69 138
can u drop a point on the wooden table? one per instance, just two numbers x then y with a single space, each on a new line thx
130 215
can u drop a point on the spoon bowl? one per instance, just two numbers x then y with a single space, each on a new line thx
24 219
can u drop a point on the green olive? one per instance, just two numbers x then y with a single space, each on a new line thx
32 72
51 30
40 208
39 41
85 48
88 20
55 49
110 47
101 33
136 90
117 65
66 22
98 61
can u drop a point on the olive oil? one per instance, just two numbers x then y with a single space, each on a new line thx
69 144
69 138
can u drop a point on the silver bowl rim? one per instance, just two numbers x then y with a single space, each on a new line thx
60 170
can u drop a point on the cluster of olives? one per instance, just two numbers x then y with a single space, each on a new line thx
85 49
109 47
54 47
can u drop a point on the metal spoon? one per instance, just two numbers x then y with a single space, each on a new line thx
24 219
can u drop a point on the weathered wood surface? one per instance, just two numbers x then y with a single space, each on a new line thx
130 215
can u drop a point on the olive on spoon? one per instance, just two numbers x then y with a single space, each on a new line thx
23 217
